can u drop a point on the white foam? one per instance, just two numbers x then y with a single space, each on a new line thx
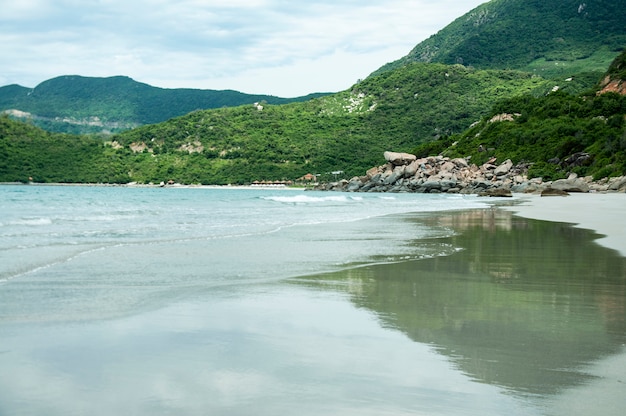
305 199
32 221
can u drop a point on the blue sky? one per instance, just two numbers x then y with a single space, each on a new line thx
278 47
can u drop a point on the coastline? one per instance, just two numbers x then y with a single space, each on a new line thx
597 211
600 212
165 186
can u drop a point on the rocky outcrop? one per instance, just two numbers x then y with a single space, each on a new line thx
610 84
404 172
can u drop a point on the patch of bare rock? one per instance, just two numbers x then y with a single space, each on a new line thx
404 172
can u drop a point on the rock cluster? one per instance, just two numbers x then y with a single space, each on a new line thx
404 172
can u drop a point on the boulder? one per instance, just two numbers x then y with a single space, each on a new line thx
447 184
377 179
526 187
481 184
447 167
487 167
578 159
497 192
571 185
372 172
553 192
411 169
398 159
354 185
618 184
397 173
431 185
504 168
367 187
460 162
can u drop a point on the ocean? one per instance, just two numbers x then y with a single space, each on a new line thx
196 301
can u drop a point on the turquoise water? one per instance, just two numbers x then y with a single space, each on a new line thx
75 253
200 301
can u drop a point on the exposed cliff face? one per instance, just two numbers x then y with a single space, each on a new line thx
615 79
610 84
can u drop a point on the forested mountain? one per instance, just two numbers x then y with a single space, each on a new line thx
550 38
424 107
30 153
78 104
558 133
347 131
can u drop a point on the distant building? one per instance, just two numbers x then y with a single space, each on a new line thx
309 177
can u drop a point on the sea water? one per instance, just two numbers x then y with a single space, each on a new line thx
94 252
196 301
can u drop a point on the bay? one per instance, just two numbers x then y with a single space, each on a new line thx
227 301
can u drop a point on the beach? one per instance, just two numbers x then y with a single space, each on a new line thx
236 301
602 212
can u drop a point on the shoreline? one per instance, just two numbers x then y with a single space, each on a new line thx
599 212
165 186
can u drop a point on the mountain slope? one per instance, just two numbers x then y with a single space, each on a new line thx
29 152
615 78
84 104
558 133
347 131
397 110
552 38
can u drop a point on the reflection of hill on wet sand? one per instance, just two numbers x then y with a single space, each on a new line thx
525 305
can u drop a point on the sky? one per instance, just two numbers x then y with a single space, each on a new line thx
275 47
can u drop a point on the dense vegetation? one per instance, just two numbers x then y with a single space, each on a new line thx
29 152
555 133
617 69
551 38
75 104
428 108
346 132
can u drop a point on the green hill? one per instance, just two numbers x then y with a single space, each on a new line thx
78 104
347 131
27 152
558 133
551 38
430 107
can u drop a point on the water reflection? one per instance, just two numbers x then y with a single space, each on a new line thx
525 305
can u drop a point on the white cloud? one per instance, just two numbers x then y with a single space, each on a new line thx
255 46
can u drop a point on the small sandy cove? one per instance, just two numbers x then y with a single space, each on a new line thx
603 213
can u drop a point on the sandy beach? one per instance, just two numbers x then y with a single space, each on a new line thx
603 213
239 302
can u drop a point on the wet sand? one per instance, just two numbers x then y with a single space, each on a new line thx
603 213
533 306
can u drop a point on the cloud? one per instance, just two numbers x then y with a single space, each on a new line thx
216 44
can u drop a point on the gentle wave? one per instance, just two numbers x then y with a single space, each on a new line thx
305 199
30 222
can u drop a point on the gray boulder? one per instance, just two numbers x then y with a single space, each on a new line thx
354 185
618 184
398 173
553 192
571 185
431 185
497 192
